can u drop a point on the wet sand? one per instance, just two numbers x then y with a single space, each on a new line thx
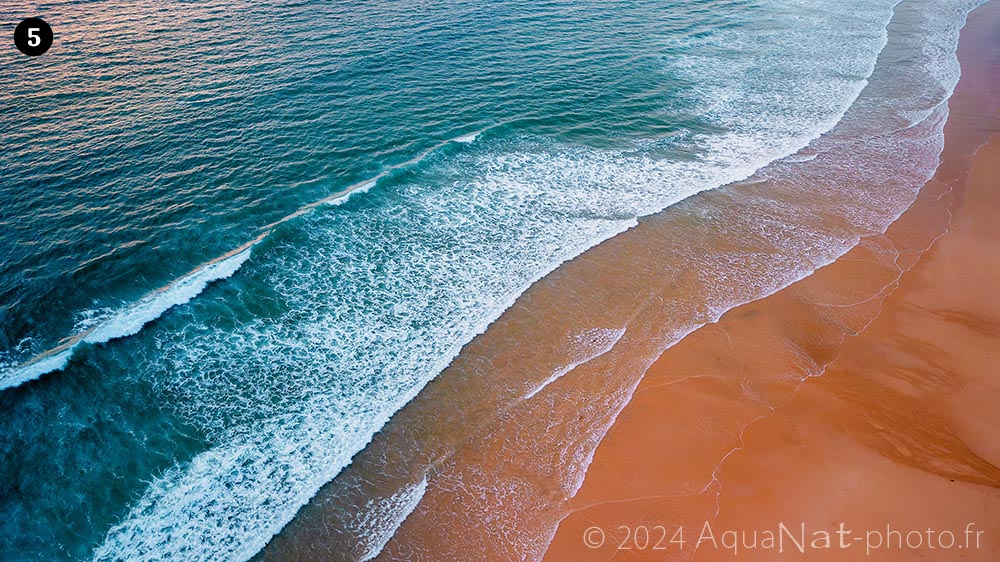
567 413
896 431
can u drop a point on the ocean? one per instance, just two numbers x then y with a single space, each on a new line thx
236 238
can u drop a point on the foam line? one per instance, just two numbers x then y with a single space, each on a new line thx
384 518
130 321
594 343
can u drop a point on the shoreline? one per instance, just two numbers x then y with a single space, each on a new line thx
502 444
895 426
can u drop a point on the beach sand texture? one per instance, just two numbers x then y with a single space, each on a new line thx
897 428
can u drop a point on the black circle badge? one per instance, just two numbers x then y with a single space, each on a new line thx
33 37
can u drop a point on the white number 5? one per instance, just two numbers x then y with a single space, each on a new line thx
34 39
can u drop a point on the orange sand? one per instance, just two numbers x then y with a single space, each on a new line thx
901 429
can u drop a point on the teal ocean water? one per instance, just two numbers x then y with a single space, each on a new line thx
235 239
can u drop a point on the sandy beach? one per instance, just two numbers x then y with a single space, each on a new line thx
896 430
613 396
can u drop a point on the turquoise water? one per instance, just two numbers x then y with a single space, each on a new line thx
198 327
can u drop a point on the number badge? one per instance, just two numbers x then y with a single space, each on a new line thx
33 37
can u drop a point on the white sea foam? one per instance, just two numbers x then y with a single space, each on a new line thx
363 187
53 361
381 517
130 320
367 185
582 348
